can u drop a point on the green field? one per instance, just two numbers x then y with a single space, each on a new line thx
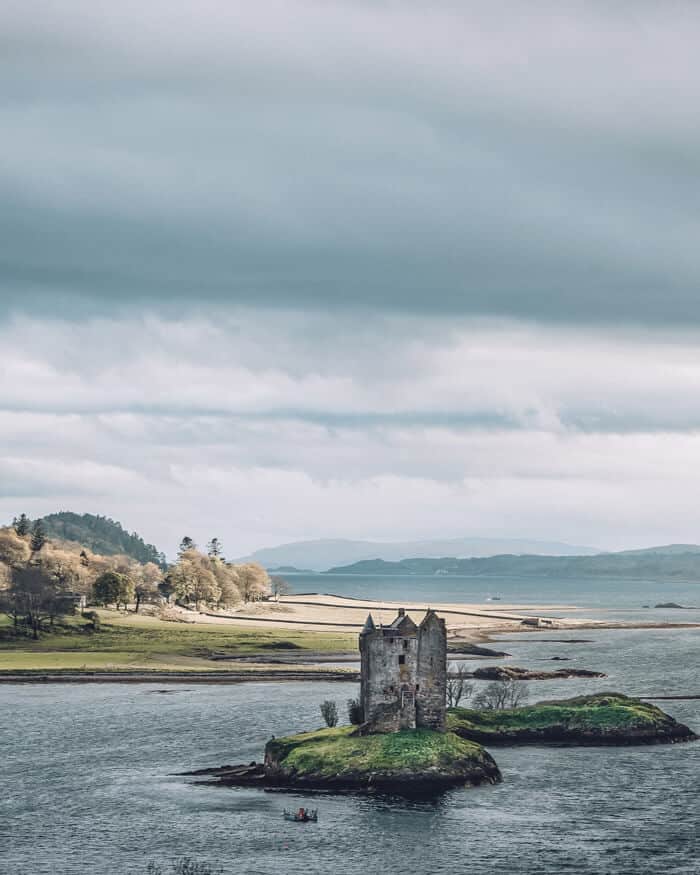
128 641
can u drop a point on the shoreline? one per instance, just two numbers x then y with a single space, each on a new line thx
295 638
33 676
318 612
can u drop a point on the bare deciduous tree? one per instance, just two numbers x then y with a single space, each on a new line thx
33 597
458 685
146 580
501 695
279 586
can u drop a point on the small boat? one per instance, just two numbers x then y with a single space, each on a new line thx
303 815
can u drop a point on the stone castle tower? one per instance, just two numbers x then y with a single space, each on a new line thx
403 674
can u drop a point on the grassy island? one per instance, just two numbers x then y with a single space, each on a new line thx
410 761
413 758
604 718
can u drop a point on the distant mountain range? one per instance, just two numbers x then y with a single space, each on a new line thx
679 561
101 535
322 554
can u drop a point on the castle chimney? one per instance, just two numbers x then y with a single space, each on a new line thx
402 612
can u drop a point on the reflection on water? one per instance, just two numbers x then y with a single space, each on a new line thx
90 786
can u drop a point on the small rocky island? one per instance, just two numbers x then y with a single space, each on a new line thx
411 760
600 719
408 742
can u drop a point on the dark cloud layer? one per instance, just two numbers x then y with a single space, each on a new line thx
541 164
292 269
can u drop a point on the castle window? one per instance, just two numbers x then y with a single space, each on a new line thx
405 644
402 659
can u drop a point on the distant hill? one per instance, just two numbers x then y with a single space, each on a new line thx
290 569
101 535
653 563
321 554
667 550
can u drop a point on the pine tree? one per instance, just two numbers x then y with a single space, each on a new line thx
214 548
38 536
21 524
187 544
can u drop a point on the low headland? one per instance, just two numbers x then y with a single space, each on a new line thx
424 761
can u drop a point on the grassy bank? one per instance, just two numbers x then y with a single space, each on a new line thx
135 642
606 718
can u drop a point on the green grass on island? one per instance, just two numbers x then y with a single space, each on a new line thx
602 714
135 642
336 753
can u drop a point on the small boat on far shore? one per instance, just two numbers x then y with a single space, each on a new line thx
303 815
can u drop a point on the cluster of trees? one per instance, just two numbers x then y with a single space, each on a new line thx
40 578
496 696
33 580
207 579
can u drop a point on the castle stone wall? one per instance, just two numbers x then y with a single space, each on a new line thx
403 674
432 674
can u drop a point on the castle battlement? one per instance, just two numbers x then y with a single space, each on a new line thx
403 673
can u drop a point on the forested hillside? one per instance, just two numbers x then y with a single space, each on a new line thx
101 535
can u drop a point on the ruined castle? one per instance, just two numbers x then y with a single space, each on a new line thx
404 674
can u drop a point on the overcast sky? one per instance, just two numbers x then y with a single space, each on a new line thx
294 269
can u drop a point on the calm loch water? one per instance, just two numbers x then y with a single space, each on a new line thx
88 783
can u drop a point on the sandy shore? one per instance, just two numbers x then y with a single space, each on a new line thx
321 612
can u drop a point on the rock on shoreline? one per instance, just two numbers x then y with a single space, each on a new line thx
512 672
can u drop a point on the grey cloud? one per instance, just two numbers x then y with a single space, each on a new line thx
380 269
353 158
